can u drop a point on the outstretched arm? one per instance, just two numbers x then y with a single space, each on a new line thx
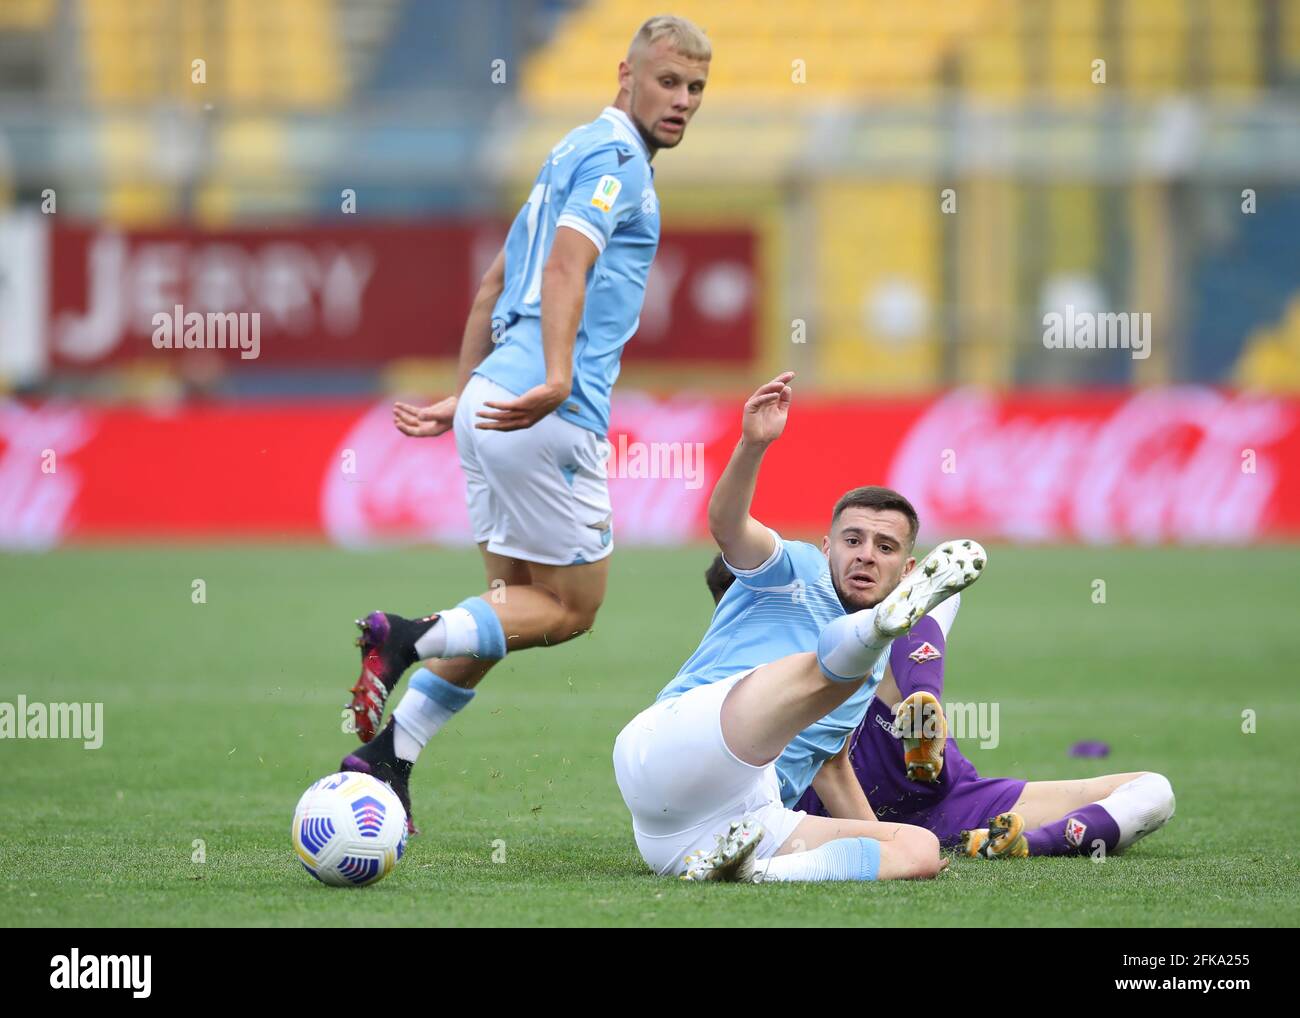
746 543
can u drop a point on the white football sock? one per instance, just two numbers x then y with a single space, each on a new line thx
418 716
850 646
454 634
1140 807
946 614
406 745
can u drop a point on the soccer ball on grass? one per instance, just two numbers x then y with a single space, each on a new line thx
349 829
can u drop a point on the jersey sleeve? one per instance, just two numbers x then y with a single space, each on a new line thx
604 193
790 562
778 571
808 560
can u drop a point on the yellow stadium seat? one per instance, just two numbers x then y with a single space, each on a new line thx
878 285
27 15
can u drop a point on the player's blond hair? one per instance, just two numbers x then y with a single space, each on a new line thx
685 37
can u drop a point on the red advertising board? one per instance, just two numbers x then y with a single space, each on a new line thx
1186 465
352 296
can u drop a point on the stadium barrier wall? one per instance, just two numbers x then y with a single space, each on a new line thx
1179 465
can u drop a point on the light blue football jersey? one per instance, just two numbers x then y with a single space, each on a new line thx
598 181
770 612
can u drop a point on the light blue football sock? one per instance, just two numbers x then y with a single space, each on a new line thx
491 637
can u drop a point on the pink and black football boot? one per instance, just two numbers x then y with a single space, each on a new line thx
387 645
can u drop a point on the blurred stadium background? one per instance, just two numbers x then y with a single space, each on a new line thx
887 198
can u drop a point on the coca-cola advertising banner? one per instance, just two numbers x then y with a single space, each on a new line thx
82 297
1187 465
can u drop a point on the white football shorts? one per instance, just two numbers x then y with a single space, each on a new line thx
684 786
539 494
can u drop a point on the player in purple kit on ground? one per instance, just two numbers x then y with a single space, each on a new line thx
987 817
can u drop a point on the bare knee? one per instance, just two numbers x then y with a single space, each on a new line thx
575 620
578 591
919 856
580 620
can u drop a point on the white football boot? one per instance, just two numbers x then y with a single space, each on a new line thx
951 567
732 860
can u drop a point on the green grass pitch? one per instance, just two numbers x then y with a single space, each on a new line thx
218 715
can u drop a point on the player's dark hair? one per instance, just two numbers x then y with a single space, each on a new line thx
873 496
719 578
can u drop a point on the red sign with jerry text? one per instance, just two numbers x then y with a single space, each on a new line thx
353 295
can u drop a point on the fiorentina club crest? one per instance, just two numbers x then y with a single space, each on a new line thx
1075 829
926 652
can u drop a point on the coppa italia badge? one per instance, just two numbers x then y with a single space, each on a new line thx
606 192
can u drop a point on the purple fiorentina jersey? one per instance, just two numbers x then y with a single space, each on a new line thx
960 799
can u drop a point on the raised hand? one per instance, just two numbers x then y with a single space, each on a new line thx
767 409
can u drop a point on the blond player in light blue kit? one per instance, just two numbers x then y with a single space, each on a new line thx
539 358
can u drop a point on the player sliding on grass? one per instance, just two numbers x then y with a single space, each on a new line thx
905 768
698 765
538 359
